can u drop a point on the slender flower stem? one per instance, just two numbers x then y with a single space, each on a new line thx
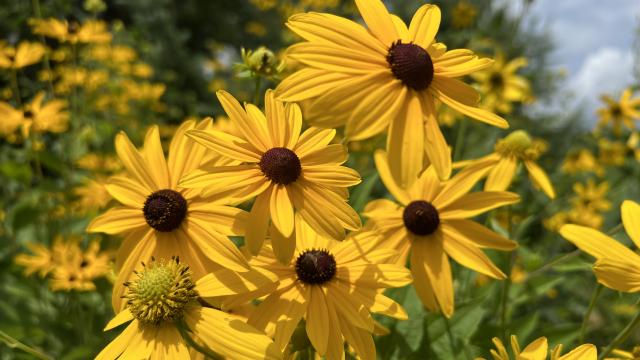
256 92
622 336
208 353
507 282
462 132
15 87
15 344
592 304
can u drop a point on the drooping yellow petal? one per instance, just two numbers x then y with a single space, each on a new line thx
424 25
429 254
596 244
378 20
630 212
258 222
122 317
501 176
619 275
422 284
382 164
540 178
229 336
346 307
169 344
317 326
466 254
315 215
360 339
435 144
281 210
405 143
283 247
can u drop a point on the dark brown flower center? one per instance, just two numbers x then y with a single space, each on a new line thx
616 110
421 218
411 64
315 266
496 80
74 27
28 114
281 165
165 210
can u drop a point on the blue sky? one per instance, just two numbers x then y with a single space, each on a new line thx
594 43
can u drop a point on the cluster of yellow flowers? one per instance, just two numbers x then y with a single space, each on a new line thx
69 267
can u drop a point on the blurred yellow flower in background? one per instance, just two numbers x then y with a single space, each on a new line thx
591 195
24 54
582 160
40 116
617 113
500 86
41 261
619 354
463 14
613 153
91 31
93 195
539 350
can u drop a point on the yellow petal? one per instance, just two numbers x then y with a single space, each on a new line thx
596 244
226 145
360 339
252 130
293 121
436 146
464 253
224 282
378 20
428 254
540 178
258 222
424 25
317 326
405 144
281 210
127 191
217 247
315 215
276 122
618 275
375 275
283 247
460 185
120 343
582 352
480 235
477 203
336 59
312 139
334 154
331 175
422 284
537 350
154 156
134 162
346 307
118 220
122 317
501 175
389 181
230 337
226 220
630 212
308 83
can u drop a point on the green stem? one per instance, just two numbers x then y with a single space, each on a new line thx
15 87
462 132
622 336
208 353
256 91
15 344
507 282
452 342
592 304
553 263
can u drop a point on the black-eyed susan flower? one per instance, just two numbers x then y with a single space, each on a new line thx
501 86
40 116
162 308
616 266
503 163
612 153
285 170
40 262
619 112
91 31
12 119
539 350
334 286
463 14
581 160
76 269
92 195
24 54
385 77
158 217
430 221
591 195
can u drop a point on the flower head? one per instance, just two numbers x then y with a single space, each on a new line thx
384 78
24 54
430 221
91 31
539 350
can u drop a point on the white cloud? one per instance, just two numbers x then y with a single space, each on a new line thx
606 70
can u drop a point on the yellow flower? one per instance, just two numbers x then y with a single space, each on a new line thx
159 217
98 162
75 270
40 117
255 28
578 215
616 266
612 153
539 350
12 119
581 161
432 221
25 54
501 86
621 112
463 14
162 305
503 163
634 354
385 77
591 196
92 31
333 285
41 261
286 171
93 195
